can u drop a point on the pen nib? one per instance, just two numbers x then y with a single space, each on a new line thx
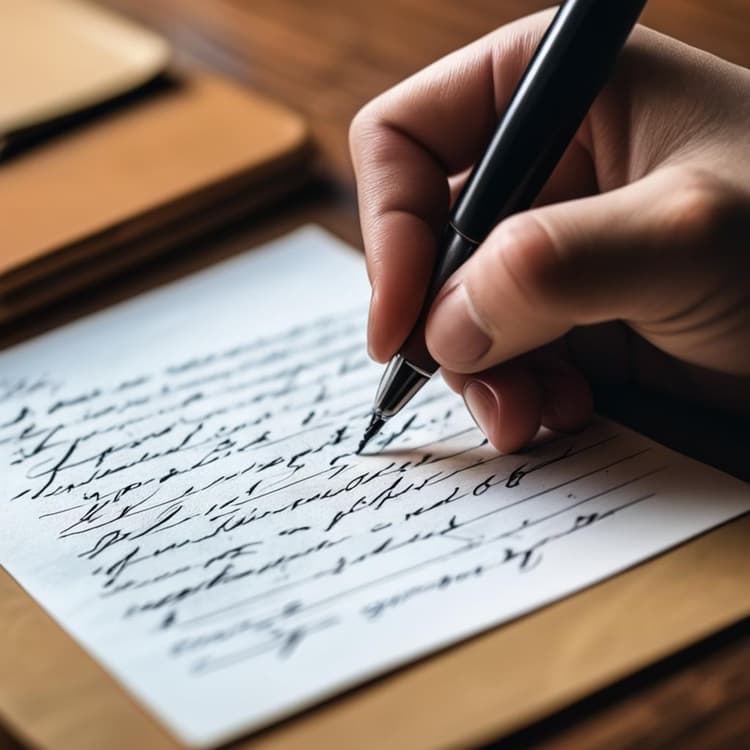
376 423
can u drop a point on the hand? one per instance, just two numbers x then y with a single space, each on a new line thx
634 266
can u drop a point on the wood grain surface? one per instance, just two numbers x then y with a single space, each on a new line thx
325 58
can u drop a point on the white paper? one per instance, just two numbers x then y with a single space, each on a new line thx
179 490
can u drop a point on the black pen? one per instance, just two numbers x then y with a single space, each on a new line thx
569 68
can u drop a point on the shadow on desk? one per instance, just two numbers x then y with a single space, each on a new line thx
717 438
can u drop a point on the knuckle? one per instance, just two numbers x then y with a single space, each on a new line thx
360 127
698 208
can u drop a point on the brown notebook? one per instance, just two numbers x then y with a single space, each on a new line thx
138 180
58 57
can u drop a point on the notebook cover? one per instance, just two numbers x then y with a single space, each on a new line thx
61 56
147 175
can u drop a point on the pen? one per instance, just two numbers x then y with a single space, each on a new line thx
569 68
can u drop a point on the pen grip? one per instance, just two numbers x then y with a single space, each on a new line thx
454 250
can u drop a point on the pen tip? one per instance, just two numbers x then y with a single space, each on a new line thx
376 423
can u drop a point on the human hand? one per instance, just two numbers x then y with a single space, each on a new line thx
633 266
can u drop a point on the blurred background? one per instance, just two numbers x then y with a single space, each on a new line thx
322 59
325 58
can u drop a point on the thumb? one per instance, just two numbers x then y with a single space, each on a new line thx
637 254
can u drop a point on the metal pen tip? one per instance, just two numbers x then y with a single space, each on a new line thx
376 424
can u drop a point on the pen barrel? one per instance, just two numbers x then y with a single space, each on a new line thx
454 250
570 66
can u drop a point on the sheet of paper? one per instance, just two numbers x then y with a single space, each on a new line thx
179 490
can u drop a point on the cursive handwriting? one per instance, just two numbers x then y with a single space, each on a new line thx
201 519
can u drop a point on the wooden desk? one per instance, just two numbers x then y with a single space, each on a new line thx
325 58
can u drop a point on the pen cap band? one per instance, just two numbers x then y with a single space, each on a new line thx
570 66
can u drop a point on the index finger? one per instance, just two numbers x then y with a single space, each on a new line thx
405 144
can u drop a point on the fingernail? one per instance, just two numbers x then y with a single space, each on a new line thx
370 319
482 405
453 336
